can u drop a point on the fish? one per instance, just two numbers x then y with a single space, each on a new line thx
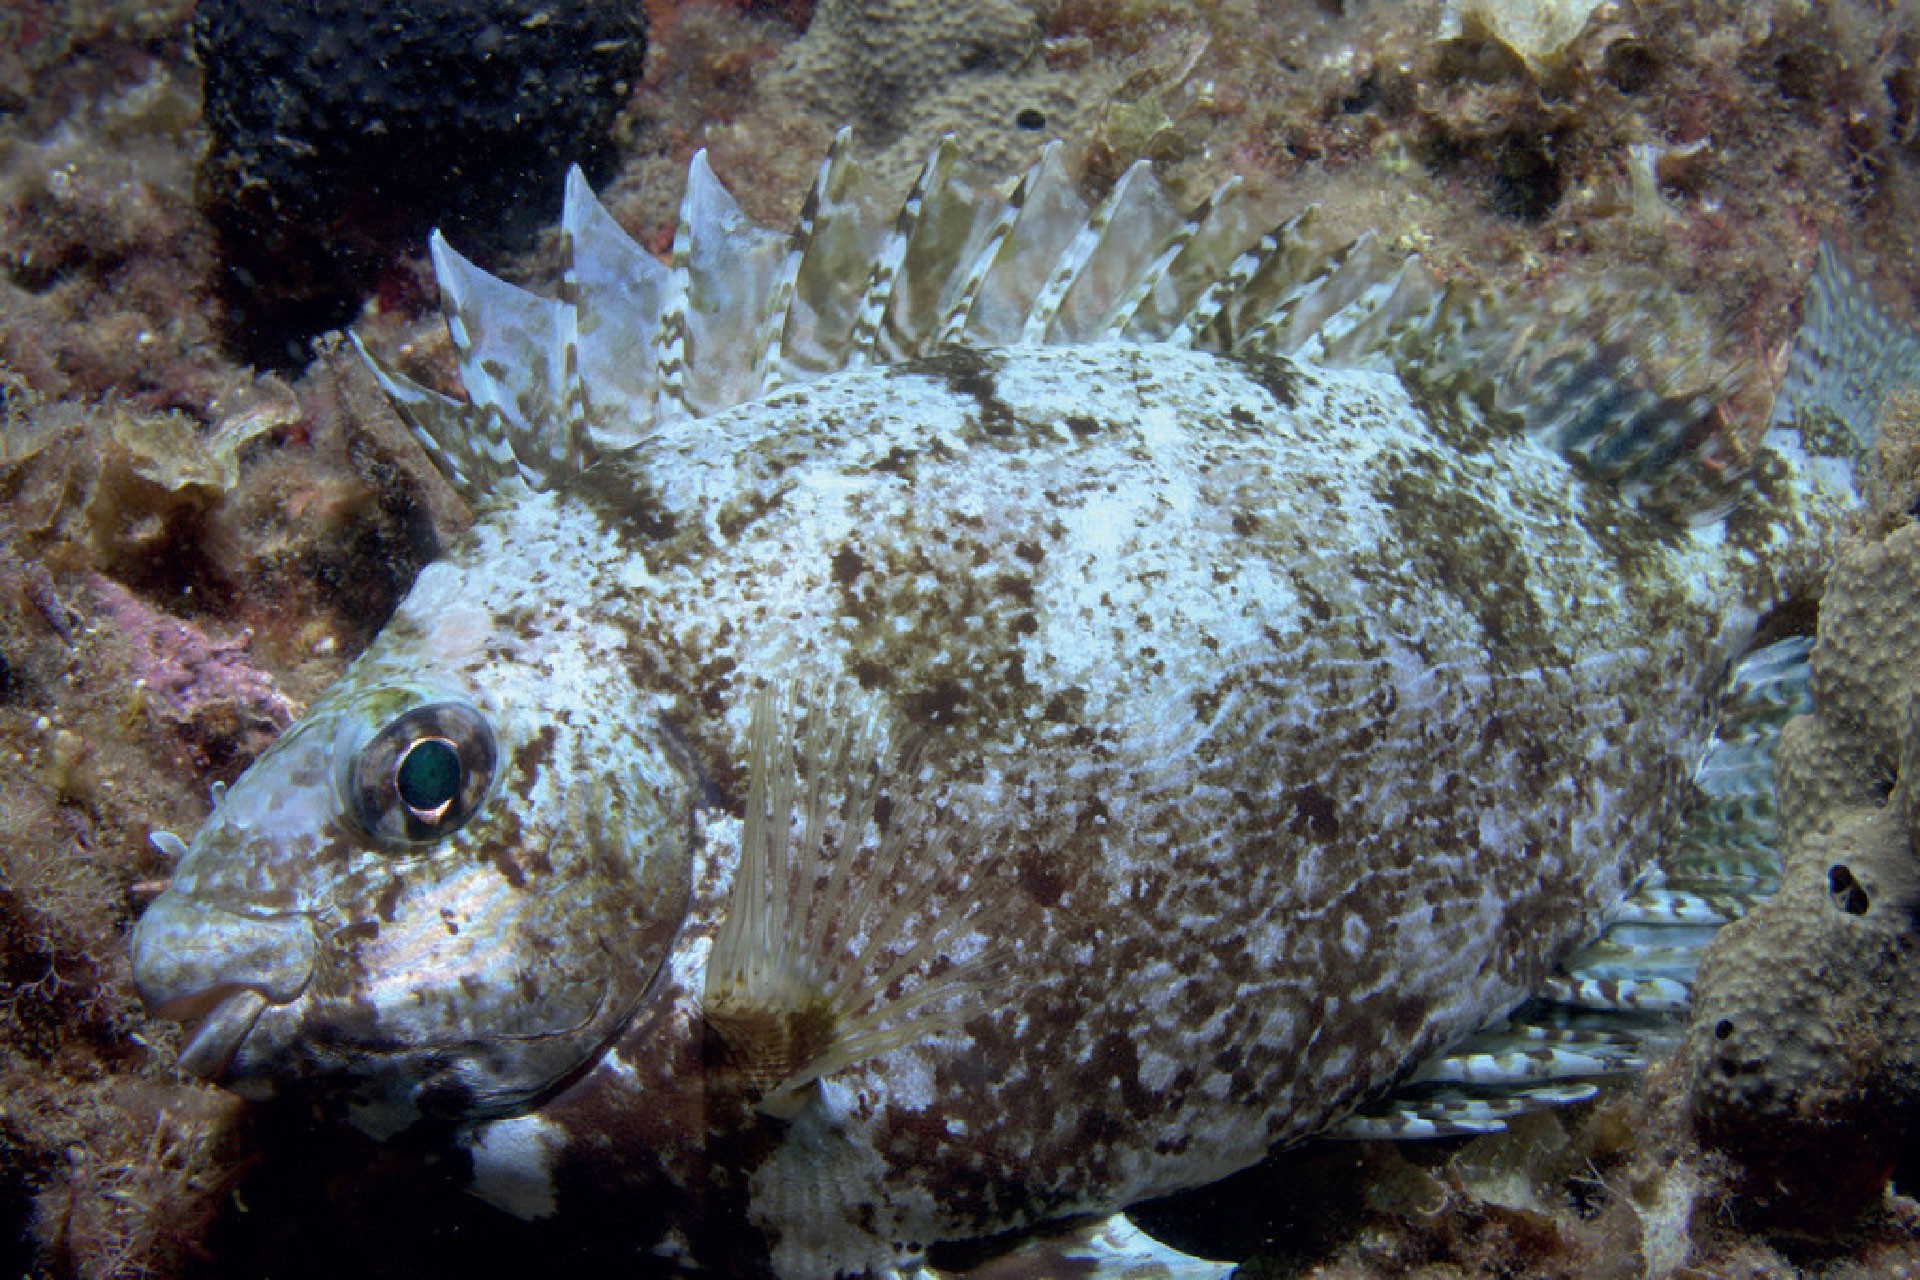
958 718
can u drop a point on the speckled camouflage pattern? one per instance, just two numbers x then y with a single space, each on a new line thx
1309 720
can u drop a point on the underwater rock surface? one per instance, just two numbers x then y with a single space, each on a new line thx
343 131
1805 1048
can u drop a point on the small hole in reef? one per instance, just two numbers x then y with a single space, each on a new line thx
1527 180
1030 119
1722 1029
1629 66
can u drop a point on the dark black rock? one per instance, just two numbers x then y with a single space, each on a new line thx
344 130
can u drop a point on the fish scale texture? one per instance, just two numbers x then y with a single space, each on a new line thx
1139 572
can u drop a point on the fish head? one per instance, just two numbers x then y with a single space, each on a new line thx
447 887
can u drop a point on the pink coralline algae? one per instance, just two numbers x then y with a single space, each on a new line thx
208 687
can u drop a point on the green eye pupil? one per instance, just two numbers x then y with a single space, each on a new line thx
428 778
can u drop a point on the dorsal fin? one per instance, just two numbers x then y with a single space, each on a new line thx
1621 379
1847 358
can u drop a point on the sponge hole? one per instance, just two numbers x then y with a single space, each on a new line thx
1848 894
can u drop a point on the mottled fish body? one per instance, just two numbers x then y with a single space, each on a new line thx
948 763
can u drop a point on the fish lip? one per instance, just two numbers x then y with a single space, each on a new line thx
230 1012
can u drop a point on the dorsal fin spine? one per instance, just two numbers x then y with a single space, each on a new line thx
1172 249
864 348
1078 254
671 359
773 342
1005 216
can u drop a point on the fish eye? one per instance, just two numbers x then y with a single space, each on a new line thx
424 775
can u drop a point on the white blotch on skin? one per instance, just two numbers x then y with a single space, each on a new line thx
513 1164
1353 935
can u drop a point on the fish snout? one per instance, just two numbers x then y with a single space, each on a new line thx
193 961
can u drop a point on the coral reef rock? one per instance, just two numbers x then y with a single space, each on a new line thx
341 129
906 73
1805 1045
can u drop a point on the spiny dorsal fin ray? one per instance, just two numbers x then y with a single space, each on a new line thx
743 309
838 236
951 230
865 346
1051 214
618 290
845 936
723 273
442 426
1097 269
1200 251
519 363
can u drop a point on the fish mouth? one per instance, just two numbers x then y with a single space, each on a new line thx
227 1014
193 961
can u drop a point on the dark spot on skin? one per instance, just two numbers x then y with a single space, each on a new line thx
847 566
1092 816
970 374
1082 426
1722 1029
625 504
359 931
1015 587
388 903
898 461
503 863
1068 706
1313 815
1118 1056
1274 375
530 758
735 517
1039 879
938 703
1030 552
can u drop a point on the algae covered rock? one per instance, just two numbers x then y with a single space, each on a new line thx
341 130
1539 31
1805 1047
